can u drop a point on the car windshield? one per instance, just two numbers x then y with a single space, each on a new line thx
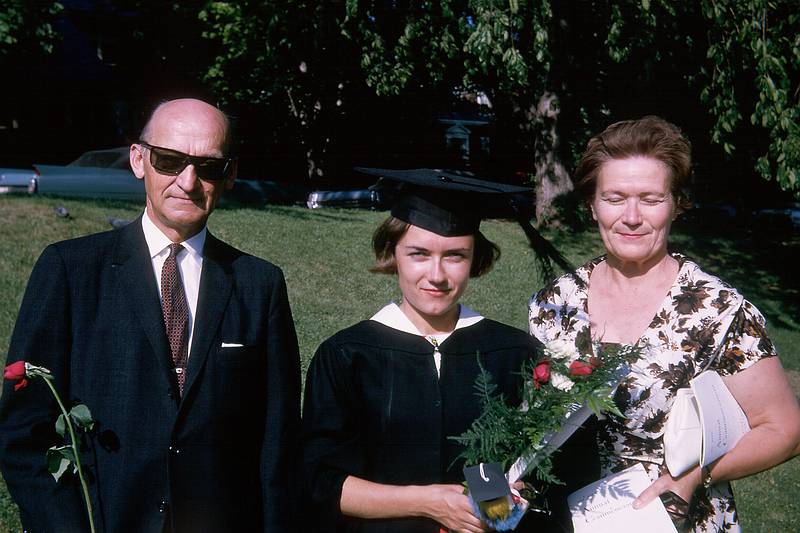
103 158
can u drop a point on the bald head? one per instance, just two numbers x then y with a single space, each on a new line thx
187 134
186 113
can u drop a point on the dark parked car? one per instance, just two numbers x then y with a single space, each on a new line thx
785 216
261 192
358 198
95 174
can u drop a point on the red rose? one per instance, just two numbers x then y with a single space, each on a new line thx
579 368
541 374
16 372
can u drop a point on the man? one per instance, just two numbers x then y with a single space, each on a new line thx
186 357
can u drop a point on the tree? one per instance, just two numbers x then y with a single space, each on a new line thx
758 41
536 59
499 49
26 35
554 72
26 27
286 58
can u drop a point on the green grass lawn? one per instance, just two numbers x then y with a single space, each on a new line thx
325 255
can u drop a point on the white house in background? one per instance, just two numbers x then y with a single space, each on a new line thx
466 137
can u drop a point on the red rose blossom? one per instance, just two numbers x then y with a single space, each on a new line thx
541 374
79 417
16 372
579 368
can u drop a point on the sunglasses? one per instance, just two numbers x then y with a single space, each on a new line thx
173 162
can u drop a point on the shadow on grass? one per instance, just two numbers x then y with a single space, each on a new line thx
760 263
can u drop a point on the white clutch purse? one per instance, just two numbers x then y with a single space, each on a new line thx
683 434
705 423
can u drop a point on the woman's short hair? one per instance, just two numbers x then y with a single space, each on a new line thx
389 233
649 136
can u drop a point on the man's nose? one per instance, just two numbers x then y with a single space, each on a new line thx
187 179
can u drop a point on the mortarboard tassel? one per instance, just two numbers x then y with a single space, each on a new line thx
546 253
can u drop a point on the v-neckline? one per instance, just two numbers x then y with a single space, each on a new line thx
663 306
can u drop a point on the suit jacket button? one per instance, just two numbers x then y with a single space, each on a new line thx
163 506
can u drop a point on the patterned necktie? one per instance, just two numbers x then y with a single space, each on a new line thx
176 312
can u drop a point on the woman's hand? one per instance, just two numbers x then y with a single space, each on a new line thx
682 486
448 505
772 411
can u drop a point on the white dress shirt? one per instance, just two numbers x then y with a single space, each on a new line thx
190 264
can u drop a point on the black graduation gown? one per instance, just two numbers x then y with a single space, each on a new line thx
375 409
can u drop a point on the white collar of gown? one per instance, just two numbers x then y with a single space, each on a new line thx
392 316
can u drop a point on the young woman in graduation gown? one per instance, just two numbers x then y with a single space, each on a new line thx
383 397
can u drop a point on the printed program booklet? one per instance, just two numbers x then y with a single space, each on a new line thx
606 506
722 420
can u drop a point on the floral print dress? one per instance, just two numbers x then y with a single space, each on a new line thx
701 323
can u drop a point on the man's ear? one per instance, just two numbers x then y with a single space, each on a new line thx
137 161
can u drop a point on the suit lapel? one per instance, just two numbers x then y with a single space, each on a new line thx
135 271
215 291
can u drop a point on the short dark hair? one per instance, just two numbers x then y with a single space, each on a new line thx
389 233
648 136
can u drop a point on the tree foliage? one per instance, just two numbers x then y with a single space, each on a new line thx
27 27
759 41
285 57
554 72
751 68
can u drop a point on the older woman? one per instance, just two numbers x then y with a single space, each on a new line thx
634 175
383 396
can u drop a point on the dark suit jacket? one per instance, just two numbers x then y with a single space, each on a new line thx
217 459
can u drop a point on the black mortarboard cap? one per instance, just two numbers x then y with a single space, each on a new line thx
444 202
453 203
486 482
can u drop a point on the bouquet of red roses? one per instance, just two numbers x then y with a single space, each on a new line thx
560 391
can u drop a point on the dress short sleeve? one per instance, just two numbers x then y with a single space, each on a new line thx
746 342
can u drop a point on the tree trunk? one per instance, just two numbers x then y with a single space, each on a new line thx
551 178
307 119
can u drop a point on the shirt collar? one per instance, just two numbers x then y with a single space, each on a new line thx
392 316
157 241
